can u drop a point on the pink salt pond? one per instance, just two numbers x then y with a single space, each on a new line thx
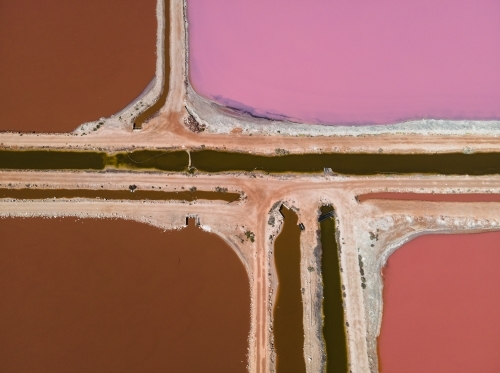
348 62
441 305
431 197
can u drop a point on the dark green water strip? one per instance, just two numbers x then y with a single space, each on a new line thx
175 161
288 327
334 333
214 161
153 109
153 195
350 164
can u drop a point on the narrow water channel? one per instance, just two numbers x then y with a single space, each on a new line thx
153 109
437 197
138 194
215 161
288 328
64 63
350 164
334 333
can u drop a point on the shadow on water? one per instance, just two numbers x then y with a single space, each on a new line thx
214 161
288 326
106 295
334 333
152 195
153 109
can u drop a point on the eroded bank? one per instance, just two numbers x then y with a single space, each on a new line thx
288 328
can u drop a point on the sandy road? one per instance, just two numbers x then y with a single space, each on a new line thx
303 193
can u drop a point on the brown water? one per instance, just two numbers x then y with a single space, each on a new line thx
63 63
288 328
138 194
119 296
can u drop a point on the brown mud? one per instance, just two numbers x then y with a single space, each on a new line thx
119 296
65 63
334 333
153 110
216 161
438 197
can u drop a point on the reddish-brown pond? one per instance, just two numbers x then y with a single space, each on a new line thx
63 63
119 296
455 197
441 305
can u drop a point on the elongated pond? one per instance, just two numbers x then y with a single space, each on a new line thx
288 327
334 333
437 197
160 102
216 161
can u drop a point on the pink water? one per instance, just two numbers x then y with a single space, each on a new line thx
348 62
441 306
437 197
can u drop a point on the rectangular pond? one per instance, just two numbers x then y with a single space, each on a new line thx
88 295
441 301
334 333
288 326
348 62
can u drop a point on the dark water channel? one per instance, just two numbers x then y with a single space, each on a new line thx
334 333
89 295
138 194
174 161
153 109
214 161
288 328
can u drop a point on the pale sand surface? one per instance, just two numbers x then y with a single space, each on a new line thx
305 194
63 64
